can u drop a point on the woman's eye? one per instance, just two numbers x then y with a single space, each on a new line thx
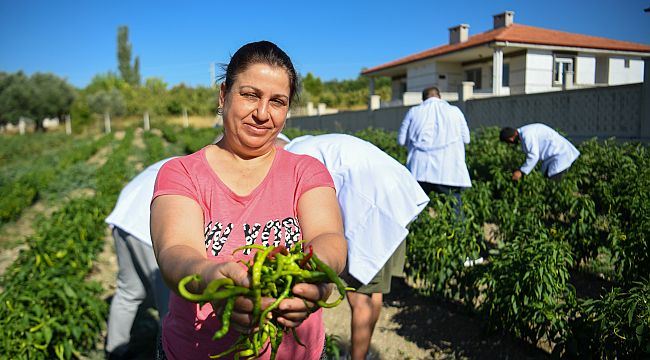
279 102
249 95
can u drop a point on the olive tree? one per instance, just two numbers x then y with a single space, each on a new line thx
37 97
107 102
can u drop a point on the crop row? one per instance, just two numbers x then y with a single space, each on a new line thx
47 308
20 192
543 233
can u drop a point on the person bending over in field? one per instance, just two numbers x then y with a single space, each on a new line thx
378 197
138 274
540 142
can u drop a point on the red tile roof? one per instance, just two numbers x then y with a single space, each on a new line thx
522 34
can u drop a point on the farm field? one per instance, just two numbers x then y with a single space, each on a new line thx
566 268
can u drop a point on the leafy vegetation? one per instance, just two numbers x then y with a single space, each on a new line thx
544 230
533 235
344 94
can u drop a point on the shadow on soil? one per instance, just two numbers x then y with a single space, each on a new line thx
449 328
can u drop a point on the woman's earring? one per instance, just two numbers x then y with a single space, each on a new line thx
219 111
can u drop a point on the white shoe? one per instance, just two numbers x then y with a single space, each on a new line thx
471 262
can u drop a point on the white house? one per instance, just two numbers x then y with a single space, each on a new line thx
512 59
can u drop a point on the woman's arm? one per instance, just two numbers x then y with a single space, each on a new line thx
319 215
178 242
177 236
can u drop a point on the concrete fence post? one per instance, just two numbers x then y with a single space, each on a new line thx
371 93
68 124
466 92
375 102
146 121
644 128
21 126
107 122
186 120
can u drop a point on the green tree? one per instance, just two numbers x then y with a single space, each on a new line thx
111 81
108 103
36 97
152 96
342 93
312 84
200 100
15 95
51 97
130 73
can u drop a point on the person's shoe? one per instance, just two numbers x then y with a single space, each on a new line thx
471 262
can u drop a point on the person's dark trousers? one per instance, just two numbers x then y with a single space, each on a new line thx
558 177
447 190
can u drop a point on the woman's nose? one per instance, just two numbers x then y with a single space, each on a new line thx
262 111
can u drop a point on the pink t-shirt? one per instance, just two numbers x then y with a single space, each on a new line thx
268 215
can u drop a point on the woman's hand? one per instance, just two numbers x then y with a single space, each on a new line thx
241 315
292 312
241 318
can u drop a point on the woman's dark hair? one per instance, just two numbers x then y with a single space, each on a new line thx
506 133
260 52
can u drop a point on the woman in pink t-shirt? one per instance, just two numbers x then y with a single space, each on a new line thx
243 190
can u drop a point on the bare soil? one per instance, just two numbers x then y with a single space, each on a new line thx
412 326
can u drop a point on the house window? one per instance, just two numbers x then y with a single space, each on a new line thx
475 76
627 63
562 66
505 80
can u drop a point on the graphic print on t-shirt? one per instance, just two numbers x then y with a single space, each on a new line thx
216 234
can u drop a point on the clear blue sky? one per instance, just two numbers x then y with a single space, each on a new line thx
177 40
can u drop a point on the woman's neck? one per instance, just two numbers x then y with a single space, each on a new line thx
244 153
241 173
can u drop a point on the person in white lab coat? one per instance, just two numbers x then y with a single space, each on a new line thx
540 142
138 273
435 134
378 198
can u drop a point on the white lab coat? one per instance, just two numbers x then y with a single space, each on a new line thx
132 210
540 142
378 197
435 134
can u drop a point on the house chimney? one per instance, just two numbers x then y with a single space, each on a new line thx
504 19
458 34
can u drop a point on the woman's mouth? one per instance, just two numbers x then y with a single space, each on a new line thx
257 130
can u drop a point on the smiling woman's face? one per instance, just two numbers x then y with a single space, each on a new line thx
255 109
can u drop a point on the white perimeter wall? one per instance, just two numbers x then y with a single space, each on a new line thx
582 113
